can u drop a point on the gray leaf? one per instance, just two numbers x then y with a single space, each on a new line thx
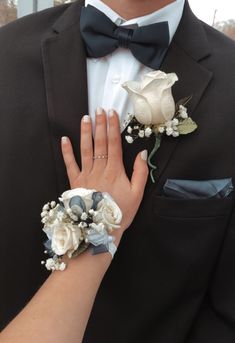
77 205
96 197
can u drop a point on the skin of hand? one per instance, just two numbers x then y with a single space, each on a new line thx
106 175
59 311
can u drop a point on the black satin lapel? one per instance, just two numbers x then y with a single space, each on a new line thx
64 63
193 80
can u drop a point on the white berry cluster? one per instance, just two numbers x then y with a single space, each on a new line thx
170 128
54 264
48 212
138 131
182 113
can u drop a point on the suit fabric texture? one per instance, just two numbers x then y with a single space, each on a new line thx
173 277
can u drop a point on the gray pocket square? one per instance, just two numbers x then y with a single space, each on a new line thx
189 189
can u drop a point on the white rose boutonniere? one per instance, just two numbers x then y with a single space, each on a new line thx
155 111
152 98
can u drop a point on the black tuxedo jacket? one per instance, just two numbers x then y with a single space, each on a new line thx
173 278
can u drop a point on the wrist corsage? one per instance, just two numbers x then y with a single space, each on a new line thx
83 218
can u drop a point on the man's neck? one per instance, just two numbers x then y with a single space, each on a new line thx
129 9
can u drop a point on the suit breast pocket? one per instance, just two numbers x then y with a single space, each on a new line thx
191 208
188 237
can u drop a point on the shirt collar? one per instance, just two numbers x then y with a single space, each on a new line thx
171 13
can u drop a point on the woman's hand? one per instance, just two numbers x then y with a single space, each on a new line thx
59 295
106 174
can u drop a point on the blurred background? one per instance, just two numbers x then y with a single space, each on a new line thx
217 13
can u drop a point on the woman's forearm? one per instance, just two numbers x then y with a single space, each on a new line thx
59 311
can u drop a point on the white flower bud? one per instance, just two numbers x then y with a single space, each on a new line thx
175 122
50 264
175 134
129 129
161 129
46 207
129 139
182 108
184 115
53 204
169 131
84 216
148 132
62 266
168 124
141 133
44 214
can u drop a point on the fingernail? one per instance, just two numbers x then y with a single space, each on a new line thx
144 155
99 111
111 113
64 140
86 119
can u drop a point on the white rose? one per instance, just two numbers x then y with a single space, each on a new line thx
65 238
152 98
108 213
85 194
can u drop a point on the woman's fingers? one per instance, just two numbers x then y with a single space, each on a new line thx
86 144
114 141
72 168
140 174
100 141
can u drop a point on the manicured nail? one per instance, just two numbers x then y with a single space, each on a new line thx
99 111
111 113
64 140
86 119
144 155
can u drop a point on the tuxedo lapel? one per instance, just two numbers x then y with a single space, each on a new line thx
189 47
64 63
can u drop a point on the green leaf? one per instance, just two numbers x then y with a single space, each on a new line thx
187 126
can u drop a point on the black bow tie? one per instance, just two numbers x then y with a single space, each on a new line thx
148 44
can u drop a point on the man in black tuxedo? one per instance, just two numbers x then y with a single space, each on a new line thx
173 278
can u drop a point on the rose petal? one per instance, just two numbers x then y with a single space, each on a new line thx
132 87
142 109
167 105
153 75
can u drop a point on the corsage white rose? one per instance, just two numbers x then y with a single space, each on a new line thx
108 213
152 98
65 238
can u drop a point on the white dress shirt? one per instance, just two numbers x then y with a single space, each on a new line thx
107 74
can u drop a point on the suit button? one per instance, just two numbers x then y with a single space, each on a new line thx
116 78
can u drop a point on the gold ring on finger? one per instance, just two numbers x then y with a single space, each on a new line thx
100 157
